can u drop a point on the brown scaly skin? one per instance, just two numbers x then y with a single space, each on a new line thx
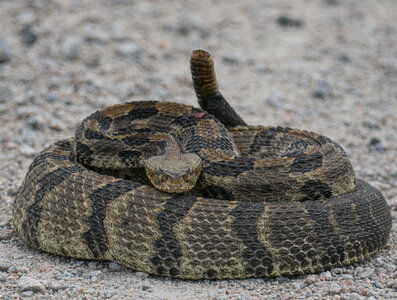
65 208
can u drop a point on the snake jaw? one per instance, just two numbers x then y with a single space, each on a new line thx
176 175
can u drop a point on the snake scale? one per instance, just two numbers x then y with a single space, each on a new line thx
191 193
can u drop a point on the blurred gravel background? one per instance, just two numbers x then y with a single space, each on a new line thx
328 66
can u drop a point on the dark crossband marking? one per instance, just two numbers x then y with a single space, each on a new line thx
43 158
196 143
307 162
186 121
315 190
231 168
104 123
93 135
129 156
48 182
259 259
330 245
168 251
141 111
83 151
262 138
217 192
136 140
96 236
64 145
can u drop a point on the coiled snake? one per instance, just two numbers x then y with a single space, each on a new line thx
216 198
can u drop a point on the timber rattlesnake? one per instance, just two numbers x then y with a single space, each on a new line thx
327 218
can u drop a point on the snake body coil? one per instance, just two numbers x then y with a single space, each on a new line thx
269 201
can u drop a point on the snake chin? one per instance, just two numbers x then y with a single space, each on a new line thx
176 175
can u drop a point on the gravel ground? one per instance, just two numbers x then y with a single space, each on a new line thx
326 66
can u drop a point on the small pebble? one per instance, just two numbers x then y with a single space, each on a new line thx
145 287
334 288
115 267
375 144
6 94
231 59
26 17
141 275
52 98
187 27
4 266
27 283
26 294
311 279
276 99
28 36
323 90
131 50
95 35
343 57
285 21
27 150
6 51
71 47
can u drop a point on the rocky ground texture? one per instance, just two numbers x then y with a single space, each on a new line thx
328 66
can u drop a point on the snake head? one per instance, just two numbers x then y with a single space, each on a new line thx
173 174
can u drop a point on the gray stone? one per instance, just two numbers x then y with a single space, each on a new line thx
285 21
323 90
275 99
27 283
343 57
6 51
52 98
71 47
334 288
145 287
150 297
95 272
131 50
348 277
376 144
27 150
141 275
26 294
26 17
56 286
115 267
365 273
4 266
28 36
65 275
92 61
327 275
95 35
371 124
187 27
231 59
33 123
296 286
5 94
390 267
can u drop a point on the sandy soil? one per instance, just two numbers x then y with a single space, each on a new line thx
326 66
